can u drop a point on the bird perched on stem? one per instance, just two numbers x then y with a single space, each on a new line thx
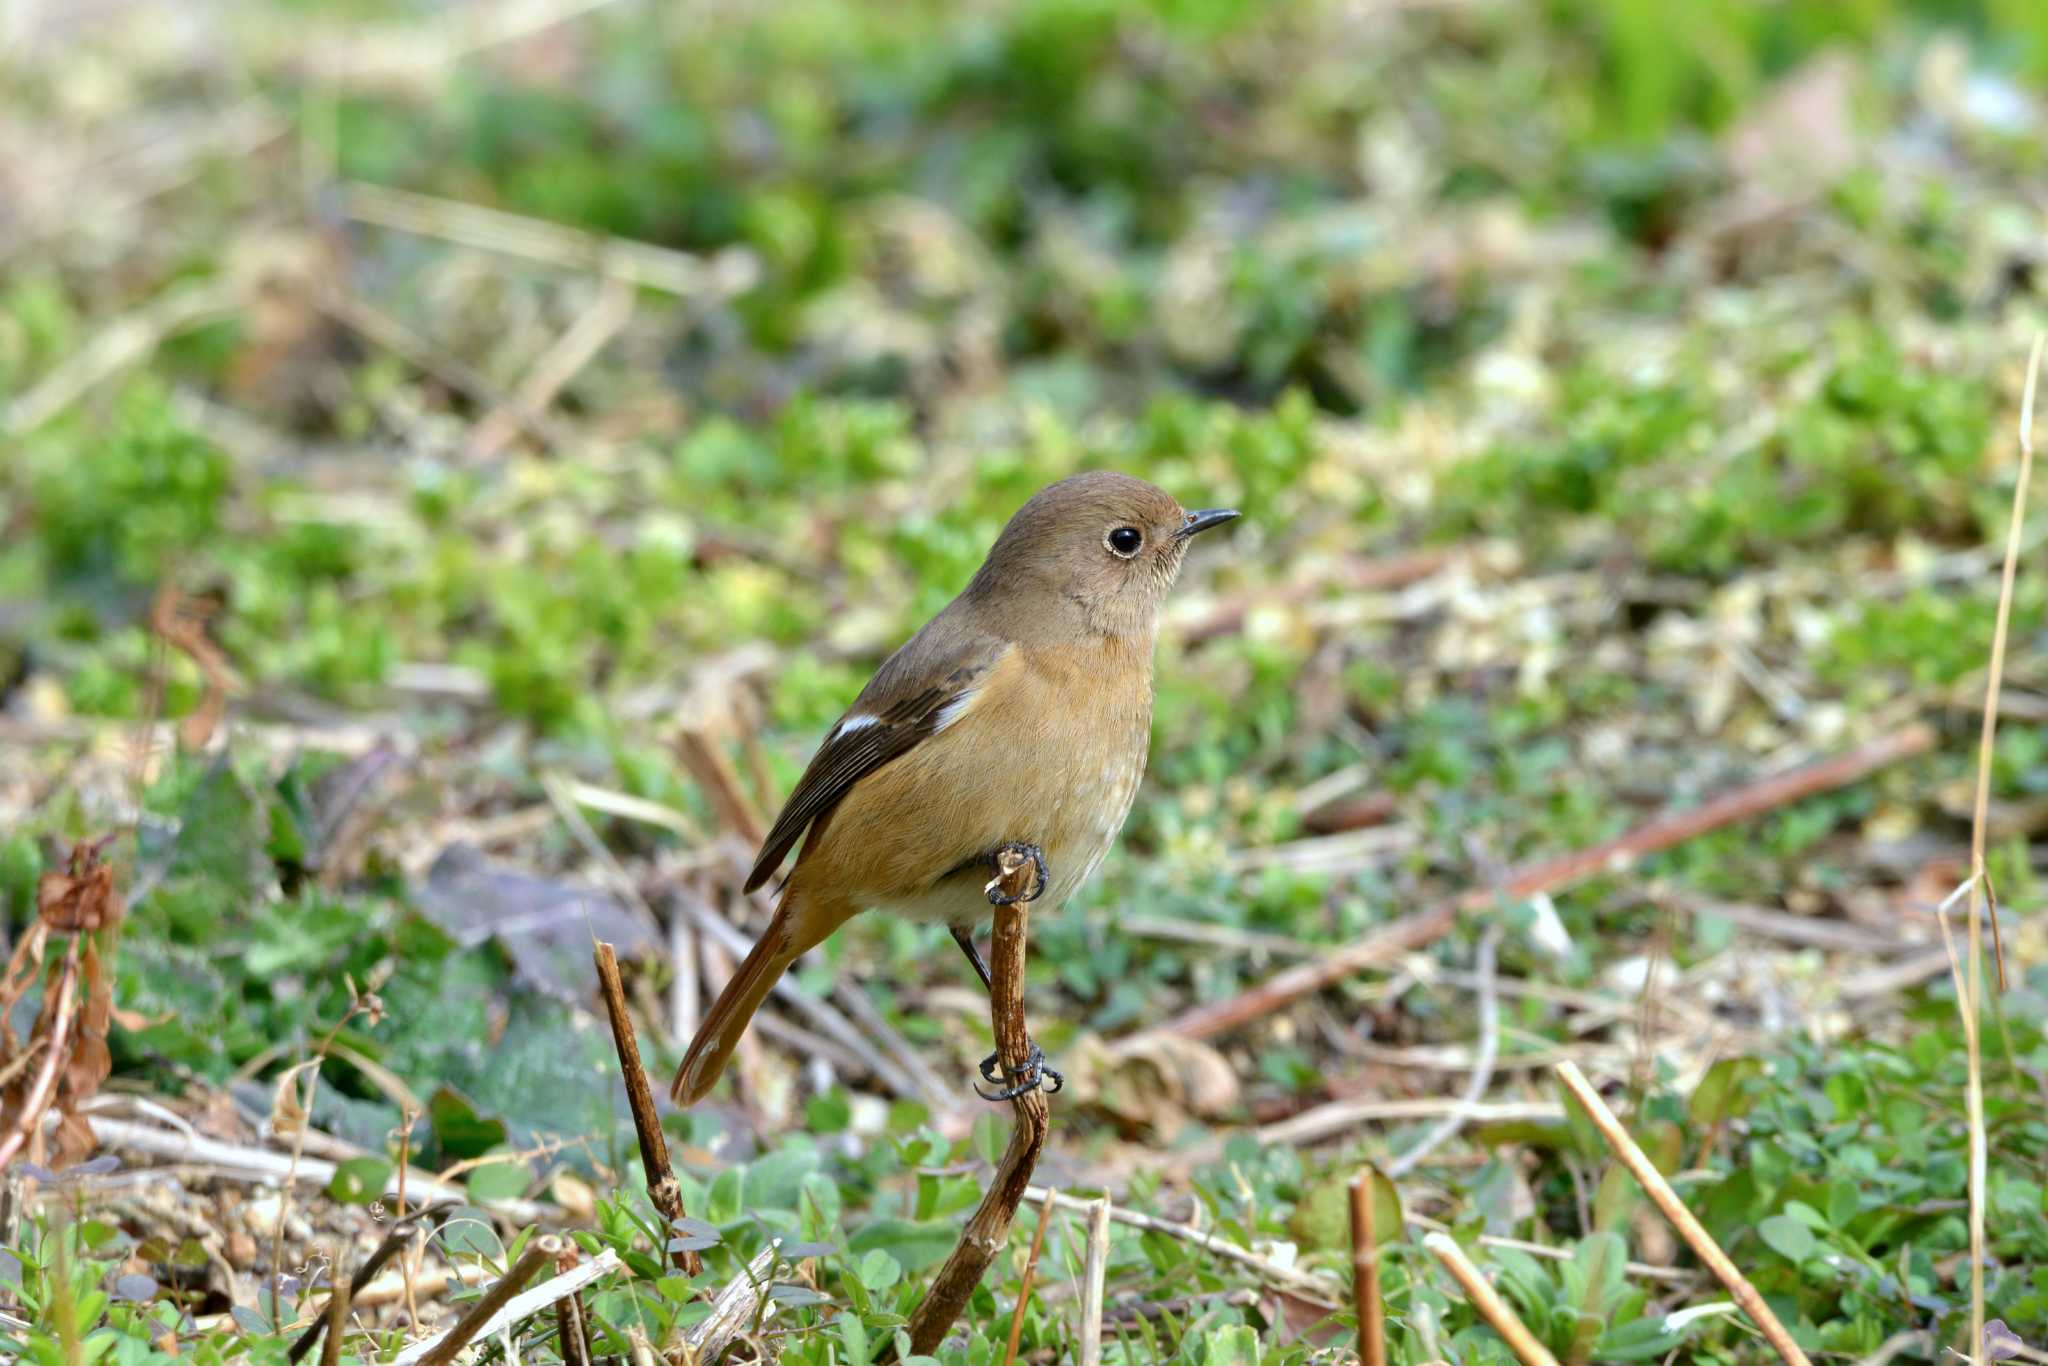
1018 719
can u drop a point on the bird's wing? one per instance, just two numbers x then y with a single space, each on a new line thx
918 692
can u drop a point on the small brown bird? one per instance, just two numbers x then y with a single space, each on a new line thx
1018 717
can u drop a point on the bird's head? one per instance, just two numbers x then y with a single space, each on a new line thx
1092 555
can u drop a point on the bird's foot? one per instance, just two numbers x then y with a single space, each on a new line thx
1019 855
1034 1074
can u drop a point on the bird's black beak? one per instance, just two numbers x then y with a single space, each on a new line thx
1202 521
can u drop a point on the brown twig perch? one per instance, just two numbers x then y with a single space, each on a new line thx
1412 932
1666 1199
989 1226
662 1188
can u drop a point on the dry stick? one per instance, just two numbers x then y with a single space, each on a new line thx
989 1225
1676 827
539 1253
1094 1270
1365 1274
662 1188
1491 1307
1024 1284
337 1317
1659 1190
1971 1004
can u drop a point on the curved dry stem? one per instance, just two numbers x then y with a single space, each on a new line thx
988 1228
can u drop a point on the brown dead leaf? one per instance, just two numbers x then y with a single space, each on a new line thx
81 897
1152 1084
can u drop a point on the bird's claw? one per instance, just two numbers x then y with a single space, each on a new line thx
1033 1075
1042 876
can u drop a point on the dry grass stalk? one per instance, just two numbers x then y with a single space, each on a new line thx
1689 1228
662 1187
1970 1001
1095 1269
1490 1305
1024 1282
337 1316
1412 932
989 1226
1365 1274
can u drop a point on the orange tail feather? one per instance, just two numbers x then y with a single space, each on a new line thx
720 1032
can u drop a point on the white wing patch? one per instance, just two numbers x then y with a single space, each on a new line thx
955 709
852 724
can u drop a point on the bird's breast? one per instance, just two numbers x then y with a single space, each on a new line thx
1051 754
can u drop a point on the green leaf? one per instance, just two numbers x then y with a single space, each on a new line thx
914 1245
1721 1094
1788 1237
458 1129
496 1181
359 1180
877 1270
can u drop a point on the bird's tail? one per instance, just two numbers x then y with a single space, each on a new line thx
719 1034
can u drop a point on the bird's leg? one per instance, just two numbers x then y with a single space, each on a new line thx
964 937
1034 1073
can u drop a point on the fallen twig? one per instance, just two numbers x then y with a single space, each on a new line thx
262 1164
1339 1115
1675 827
1365 1274
662 1189
1094 1270
989 1226
36 1099
1689 1228
1490 1305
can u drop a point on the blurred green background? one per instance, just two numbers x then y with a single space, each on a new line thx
1621 396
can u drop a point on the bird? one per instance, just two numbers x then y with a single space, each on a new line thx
1019 718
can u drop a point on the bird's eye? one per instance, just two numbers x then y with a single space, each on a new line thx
1125 541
